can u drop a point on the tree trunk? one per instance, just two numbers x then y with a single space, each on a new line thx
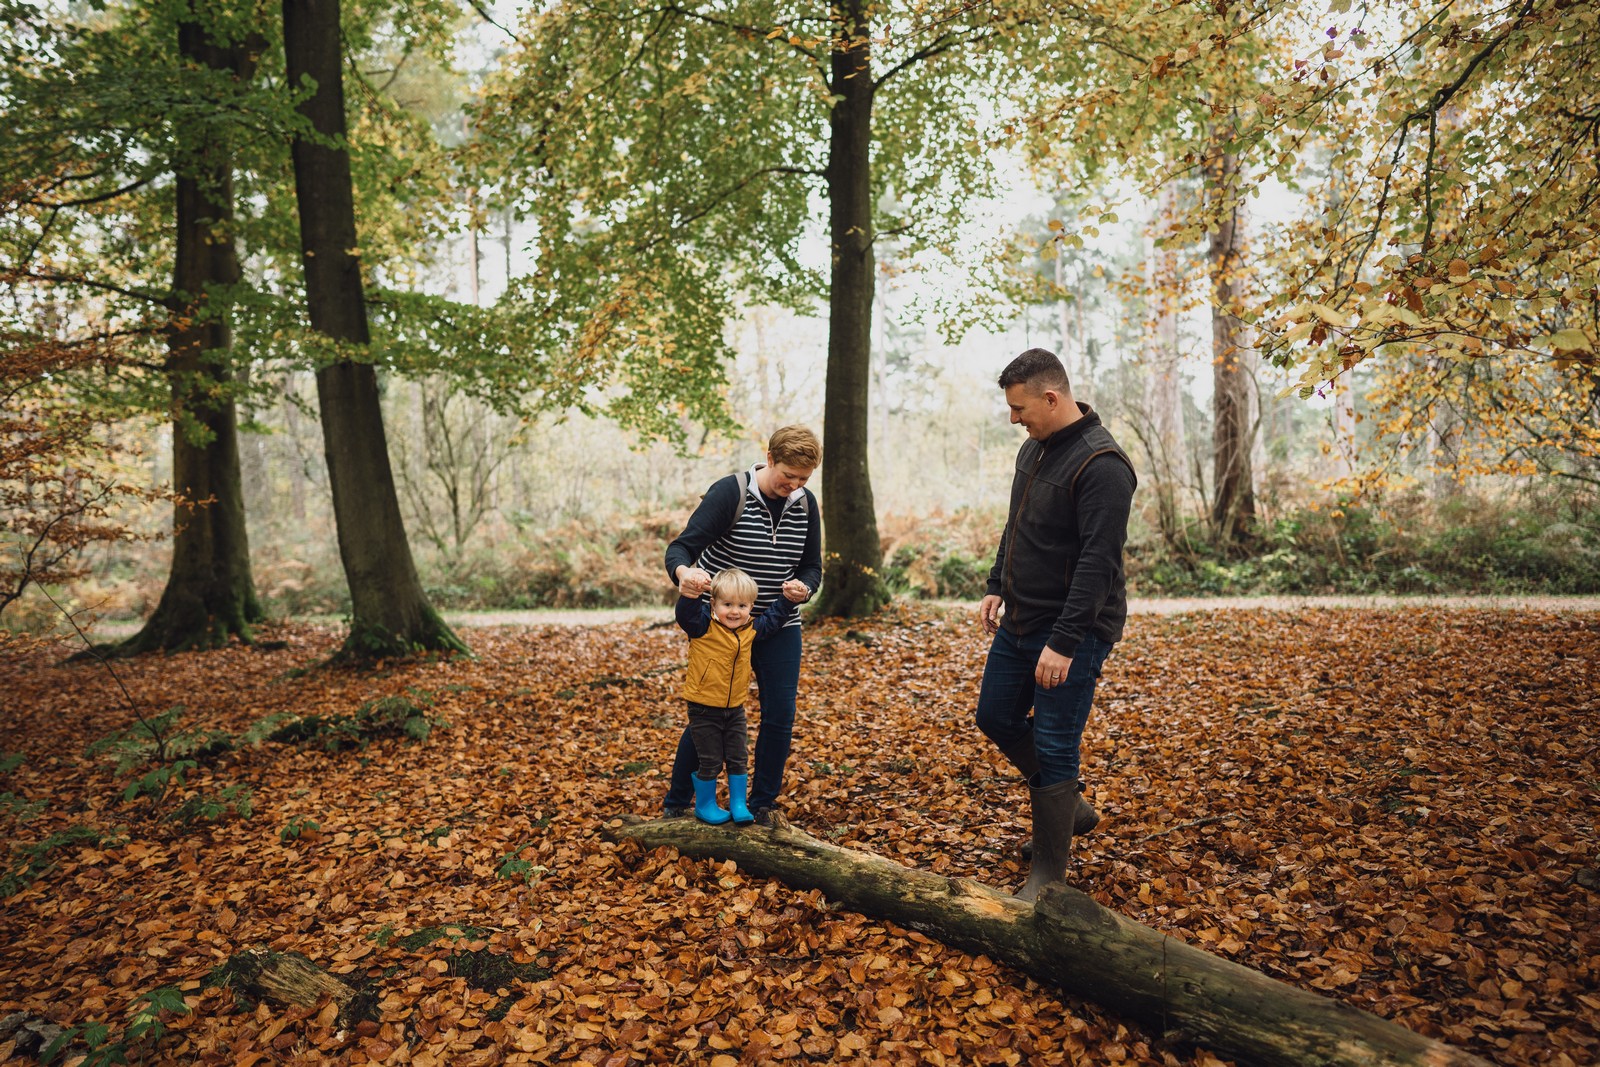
1233 506
1342 456
853 582
210 594
1075 370
1164 386
1071 942
390 615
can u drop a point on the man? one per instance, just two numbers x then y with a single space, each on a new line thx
1056 599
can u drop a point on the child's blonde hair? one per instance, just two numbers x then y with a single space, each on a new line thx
734 584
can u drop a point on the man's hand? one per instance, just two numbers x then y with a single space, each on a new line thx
796 590
692 581
1052 668
989 613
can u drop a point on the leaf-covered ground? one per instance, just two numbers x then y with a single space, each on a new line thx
1396 808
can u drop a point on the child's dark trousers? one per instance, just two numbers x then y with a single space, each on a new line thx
720 739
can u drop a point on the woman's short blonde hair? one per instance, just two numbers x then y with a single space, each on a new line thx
733 584
795 446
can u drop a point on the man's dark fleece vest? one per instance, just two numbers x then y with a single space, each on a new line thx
1044 513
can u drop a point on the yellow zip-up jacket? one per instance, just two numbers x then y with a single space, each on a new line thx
719 658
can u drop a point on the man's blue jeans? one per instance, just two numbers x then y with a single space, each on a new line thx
1059 714
776 665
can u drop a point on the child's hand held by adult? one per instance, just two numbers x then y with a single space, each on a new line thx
692 581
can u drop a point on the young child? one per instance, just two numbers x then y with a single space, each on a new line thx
720 636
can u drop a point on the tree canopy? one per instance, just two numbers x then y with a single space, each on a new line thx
1446 159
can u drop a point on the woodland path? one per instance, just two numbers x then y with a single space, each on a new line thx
108 629
1137 606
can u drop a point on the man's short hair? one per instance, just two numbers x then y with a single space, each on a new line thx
1038 369
795 446
735 585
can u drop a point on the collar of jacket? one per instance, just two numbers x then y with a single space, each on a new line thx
1086 419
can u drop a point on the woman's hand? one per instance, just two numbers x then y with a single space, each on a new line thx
797 591
692 581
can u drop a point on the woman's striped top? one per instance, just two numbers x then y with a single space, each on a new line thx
770 553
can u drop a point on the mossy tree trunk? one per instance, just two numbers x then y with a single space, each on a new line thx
210 594
390 613
853 581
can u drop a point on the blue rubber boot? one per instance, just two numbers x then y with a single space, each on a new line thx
736 804
706 808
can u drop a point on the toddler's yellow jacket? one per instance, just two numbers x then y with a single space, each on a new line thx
719 658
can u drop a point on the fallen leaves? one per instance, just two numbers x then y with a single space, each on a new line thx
1394 808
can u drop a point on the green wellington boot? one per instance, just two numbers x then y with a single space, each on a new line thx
1025 758
1054 811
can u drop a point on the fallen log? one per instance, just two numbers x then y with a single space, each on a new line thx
288 978
291 980
1071 942
24 1035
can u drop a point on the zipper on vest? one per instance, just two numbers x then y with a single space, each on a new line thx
733 665
1011 549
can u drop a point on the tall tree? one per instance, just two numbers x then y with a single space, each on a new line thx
851 582
1165 129
672 155
1233 430
390 613
115 198
1165 438
210 594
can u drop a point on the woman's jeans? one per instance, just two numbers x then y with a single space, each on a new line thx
776 664
1059 714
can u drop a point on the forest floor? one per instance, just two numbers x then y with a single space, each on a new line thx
1390 806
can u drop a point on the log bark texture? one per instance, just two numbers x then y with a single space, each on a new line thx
1073 943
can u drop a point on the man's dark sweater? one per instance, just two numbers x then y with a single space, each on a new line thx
1060 560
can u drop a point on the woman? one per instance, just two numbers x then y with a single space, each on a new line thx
765 522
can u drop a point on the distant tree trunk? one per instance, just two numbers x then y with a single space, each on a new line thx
210 594
1164 385
1343 454
1447 429
853 581
1442 437
1233 505
390 613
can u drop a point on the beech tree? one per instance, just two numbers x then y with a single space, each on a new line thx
390 613
1450 236
675 158
210 594
98 163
